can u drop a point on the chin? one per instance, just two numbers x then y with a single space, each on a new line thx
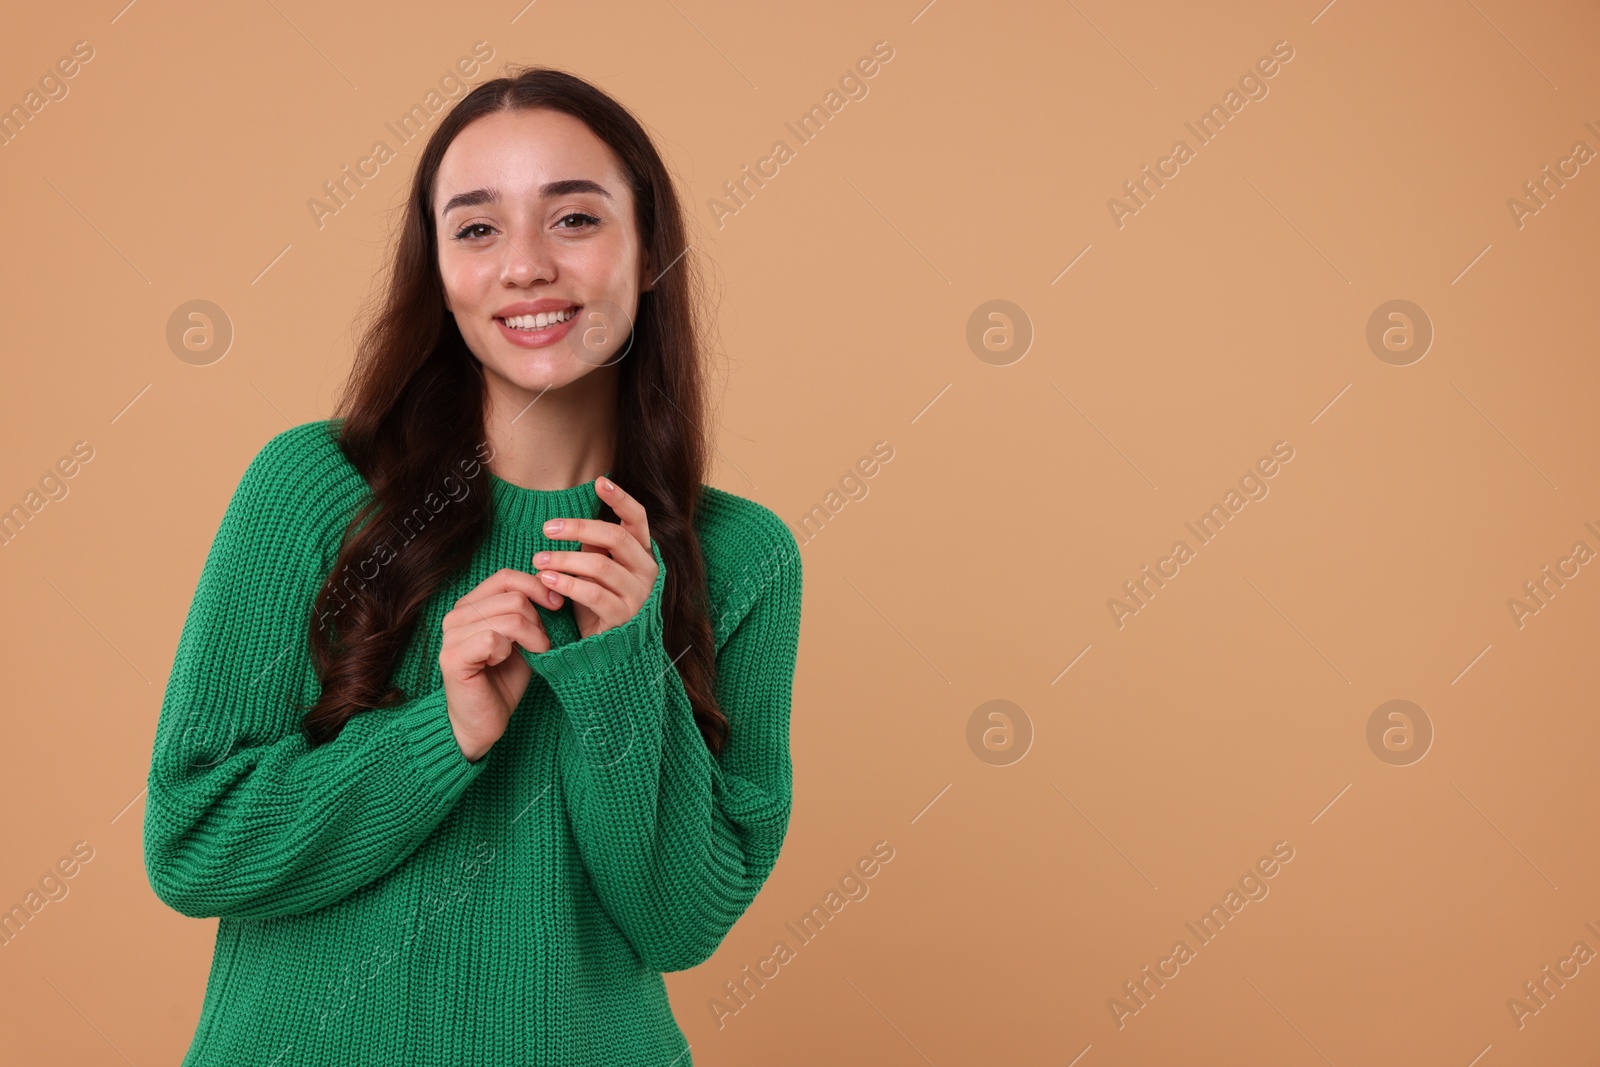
536 373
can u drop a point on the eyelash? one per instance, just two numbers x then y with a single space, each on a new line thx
461 233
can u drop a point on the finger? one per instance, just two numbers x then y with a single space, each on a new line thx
470 618
513 624
597 598
598 567
486 649
629 511
608 536
467 640
508 611
508 579
489 647
502 580
507 603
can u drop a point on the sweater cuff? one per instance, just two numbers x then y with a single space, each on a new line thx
428 744
590 657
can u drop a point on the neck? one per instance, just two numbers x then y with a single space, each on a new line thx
553 439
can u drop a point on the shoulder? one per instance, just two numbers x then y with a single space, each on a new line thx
302 482
737 533
749 553
299 457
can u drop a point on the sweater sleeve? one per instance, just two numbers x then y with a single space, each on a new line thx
243 817
678 842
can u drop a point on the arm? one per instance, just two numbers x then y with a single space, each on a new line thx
244 818
677 842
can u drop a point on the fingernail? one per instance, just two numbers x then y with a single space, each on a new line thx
553 526
606 485
541 559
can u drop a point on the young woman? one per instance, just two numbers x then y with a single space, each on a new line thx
479 719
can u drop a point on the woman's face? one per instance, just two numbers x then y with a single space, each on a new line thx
535 225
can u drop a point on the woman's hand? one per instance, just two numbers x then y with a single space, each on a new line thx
483 680
610 578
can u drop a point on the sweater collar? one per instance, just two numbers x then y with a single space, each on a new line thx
520 513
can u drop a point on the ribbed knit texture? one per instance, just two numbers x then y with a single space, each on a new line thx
384 901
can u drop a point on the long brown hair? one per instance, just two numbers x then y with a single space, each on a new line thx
413 409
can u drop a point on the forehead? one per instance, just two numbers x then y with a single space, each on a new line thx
517 152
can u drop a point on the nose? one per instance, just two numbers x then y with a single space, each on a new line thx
528 257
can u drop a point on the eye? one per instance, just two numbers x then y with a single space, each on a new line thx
462 233
576 215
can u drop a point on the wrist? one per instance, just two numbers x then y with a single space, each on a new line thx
473 748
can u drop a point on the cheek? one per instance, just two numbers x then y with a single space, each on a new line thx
590 266
464 281
611 265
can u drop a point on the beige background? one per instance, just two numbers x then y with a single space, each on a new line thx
1228 314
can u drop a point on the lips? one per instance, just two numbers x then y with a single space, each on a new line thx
533 307
530 335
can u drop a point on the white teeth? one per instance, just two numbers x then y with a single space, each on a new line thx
541 320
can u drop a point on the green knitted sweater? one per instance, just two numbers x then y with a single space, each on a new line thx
384 901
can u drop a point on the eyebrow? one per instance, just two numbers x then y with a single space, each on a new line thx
565 187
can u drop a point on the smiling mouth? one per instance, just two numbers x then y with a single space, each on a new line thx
542 320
